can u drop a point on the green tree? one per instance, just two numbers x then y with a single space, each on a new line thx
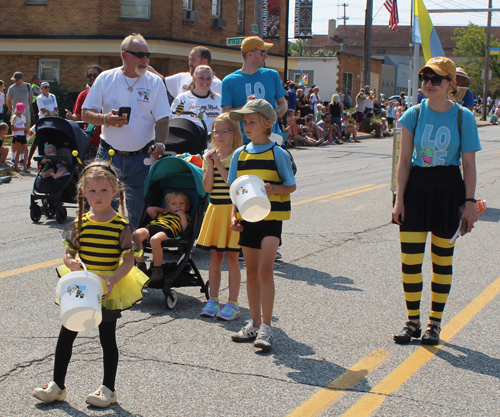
298 48
322 52
471 43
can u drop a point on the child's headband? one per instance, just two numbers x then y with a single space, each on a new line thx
111 152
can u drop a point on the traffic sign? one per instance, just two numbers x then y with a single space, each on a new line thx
234 41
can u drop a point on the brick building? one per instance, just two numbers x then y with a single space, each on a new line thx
58 39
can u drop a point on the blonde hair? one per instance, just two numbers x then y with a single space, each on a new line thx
96 170
197 70
234 126
4 126
264 121
335 99
300 92
176 193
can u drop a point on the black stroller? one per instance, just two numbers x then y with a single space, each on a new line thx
66 136
167 174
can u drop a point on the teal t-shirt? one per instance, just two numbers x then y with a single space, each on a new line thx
436 140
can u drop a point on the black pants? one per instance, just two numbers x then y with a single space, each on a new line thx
64 349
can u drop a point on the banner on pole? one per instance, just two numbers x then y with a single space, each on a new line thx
271 13
303 18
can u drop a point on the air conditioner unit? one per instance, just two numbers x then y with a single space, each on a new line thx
217 22
189 16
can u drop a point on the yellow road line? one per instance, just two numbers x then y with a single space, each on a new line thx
377 395
325 397
496 153
29 268
356 192
329 195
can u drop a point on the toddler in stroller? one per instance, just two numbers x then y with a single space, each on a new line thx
55 169
167 223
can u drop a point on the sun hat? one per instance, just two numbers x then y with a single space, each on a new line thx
254 42
17 76
20 108
441 66
461 72
254 106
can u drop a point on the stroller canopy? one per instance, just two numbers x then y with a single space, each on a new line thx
61 133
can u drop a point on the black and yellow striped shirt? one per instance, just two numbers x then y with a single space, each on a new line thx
220 191
170 221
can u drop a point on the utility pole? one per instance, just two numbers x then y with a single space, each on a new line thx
367 53
487 62
345 18
285 75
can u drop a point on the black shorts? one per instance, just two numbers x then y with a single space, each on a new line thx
20 139
254 233
153 230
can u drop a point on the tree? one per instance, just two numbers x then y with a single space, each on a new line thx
298 48
322 52
471 42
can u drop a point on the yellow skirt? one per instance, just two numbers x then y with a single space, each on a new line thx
216 232
124 294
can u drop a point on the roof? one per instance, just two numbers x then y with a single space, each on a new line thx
383 37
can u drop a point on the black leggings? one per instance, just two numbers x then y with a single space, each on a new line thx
64 348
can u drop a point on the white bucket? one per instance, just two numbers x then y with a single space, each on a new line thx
80 294
249 195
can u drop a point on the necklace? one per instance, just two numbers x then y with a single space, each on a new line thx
130 87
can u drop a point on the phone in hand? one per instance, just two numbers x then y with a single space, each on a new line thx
67 111
125 110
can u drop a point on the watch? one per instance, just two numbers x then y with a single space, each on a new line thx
105 122
473 200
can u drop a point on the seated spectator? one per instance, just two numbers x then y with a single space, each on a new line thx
369 125
312 129
302 138
348 128
494 117
331 131
385 130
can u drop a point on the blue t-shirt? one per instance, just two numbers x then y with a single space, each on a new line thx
436 140
468 100
281 158
292 99
265 84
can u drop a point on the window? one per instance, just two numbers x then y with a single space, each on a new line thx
36 1
348 80
216 8
48 70
187 4
241 16
135 9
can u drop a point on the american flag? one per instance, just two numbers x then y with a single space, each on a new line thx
392 8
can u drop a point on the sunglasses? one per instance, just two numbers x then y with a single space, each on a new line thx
435 79
140 54
93 75
220 132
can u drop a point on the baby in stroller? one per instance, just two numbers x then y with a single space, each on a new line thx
50 168
168 222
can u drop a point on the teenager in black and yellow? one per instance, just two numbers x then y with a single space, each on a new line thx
102 239
168 222
260 240
437 138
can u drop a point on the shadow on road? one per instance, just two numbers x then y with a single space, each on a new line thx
490 215
113 410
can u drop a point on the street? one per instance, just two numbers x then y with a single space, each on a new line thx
339 300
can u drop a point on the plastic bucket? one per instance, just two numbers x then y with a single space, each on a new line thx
80 294
249 195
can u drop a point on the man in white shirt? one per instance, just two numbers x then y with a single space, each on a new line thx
46 102
178 83
133 86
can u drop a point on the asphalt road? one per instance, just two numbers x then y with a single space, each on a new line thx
339 300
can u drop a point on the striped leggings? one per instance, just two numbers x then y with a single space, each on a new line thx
412 254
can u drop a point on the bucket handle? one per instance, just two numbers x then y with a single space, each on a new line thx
84 267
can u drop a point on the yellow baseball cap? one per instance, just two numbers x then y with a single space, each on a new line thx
254 42
441 66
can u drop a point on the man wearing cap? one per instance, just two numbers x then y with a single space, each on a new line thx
179 83
46 102
253 81
20 92
131 85
463 84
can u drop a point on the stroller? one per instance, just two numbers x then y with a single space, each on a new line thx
167 174
66 136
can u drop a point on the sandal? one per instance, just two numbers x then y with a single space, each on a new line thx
156 273
431 335
409 331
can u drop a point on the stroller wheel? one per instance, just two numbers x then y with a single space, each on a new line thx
206 289
61 214
171 300
35 212
49 209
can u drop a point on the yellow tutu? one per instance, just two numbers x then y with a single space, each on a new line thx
124 294
216 232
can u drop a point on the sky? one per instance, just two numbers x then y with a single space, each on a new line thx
323 10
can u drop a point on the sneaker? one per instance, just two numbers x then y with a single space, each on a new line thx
264 337
349 140
278 257
246 334
50 392
211 308
229 312
102 398
320 142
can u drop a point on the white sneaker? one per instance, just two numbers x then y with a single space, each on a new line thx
246 334
102 398
264 337
50 392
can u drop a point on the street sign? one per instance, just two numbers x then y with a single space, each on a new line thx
234 41
255 29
